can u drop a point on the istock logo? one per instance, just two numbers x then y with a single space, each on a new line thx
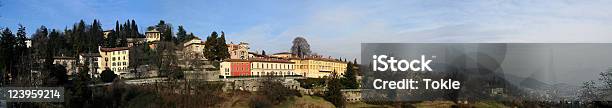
421 64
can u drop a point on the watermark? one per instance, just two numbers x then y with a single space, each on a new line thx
32 94
481 71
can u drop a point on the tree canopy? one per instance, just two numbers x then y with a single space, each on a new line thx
300 47
215 47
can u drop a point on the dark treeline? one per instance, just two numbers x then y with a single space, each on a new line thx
13 54
118 36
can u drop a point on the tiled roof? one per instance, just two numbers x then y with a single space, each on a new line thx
113 49
316 58
283 53
259 60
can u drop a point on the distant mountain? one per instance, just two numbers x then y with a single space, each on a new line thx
523 82
558 91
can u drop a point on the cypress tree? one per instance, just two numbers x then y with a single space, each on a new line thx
222 47
134 29
97 34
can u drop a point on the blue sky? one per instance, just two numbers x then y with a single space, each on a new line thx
336 28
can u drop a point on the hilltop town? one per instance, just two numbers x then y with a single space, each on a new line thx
88 60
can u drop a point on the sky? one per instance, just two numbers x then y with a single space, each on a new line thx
336 28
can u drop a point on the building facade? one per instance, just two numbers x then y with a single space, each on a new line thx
194 48
135 41
274 67
153 35
91 61
257 67
238 51
68 62
317 67
282 55
116 59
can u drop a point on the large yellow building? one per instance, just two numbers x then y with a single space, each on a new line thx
116 59
318 67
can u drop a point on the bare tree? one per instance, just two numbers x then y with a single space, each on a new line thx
589 92
300 47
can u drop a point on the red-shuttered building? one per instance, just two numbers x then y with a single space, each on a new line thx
240 68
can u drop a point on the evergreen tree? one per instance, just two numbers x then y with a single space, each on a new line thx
80 93
80 36
190 36
57 75
350 80
23 59
334 93
21 37
7 47
39 45
115 35
166 31
97 35
111 40
210 50
134 29
107 75
222 50
122 34
181 34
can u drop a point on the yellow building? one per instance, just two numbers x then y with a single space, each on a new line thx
275 67
282 55
194 48
116 59
153 35
317 67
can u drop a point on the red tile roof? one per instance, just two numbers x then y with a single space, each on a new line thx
113 49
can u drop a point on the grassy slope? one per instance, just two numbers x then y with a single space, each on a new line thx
306 102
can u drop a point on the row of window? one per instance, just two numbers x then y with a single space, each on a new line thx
119 69
273 73
117 52
272 66
118 58
320 67
119 63
263 73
